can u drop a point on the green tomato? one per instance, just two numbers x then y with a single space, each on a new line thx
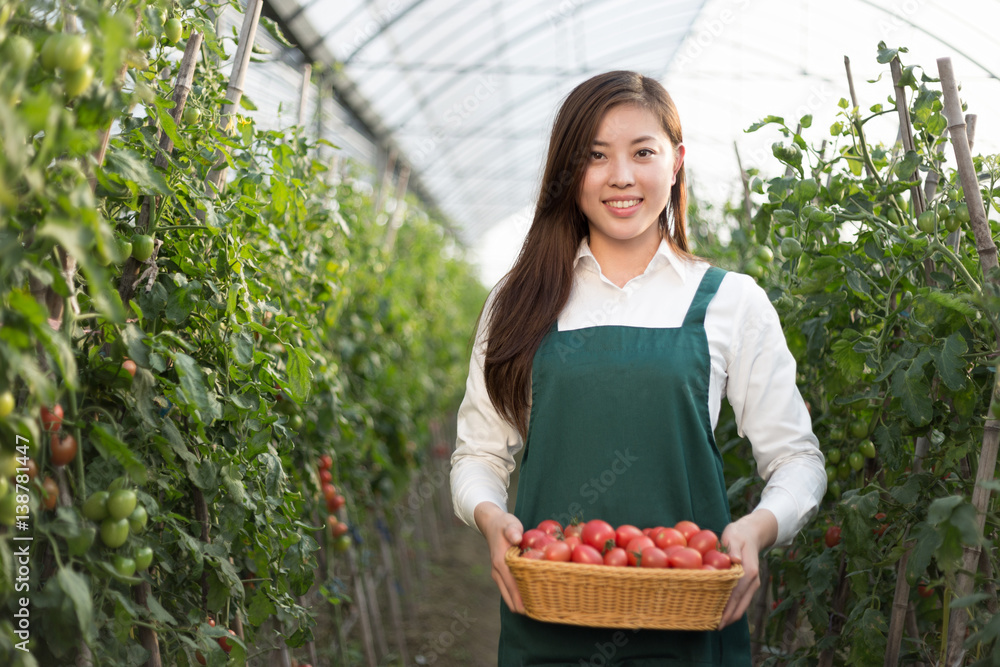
124 249
192 115
50 51
78 81
755 270
867 449
142 247
942 211
143 558
893 216
790 248
837 433
831 474
833 456
952 223
80 544
955 194
20 52
145 42
834 489
73 52
114 532
6 404
124 565
8 464
4 486
859 429
117 483
96 506
765 255
121 503
342 543
843 471
926 222
962 213
856 461
172 30
137 519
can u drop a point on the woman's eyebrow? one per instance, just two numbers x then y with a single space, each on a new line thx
640 140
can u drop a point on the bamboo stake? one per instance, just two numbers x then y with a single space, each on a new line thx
900 605
906 130
911 627
395 609
185 78
406 579
987 251
361 600
234 93
304 94
378 628
970 128
747 205
147 635
854 104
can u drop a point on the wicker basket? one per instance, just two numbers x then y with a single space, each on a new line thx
601 596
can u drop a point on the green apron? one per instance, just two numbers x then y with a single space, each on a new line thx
620 431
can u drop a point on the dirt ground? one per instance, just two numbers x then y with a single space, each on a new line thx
458 614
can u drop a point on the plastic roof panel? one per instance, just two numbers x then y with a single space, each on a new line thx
468 90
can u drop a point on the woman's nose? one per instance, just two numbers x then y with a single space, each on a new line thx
620 174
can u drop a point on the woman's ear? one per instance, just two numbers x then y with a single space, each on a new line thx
679 152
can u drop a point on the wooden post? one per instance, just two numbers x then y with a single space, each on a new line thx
403 551
906 130
378 629
361 601
390 583
234 93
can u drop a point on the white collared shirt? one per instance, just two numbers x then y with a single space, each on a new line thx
751 366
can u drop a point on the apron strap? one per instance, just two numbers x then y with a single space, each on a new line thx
706 290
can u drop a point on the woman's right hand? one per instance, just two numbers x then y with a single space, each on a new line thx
502 530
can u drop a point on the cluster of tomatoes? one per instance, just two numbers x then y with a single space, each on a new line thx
118 513
334 501
596 542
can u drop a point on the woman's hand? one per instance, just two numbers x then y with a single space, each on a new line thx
501 530
745 539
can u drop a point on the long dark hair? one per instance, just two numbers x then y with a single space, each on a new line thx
535 290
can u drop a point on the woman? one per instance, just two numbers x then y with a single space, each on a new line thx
606 351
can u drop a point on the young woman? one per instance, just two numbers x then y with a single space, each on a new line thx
605 352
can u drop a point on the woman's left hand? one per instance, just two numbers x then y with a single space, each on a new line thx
745 539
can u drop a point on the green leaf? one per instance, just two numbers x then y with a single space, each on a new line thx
806 121
241 344
109 446
77 590
926 540
136 172
969 600
886 54
912 388
133 338
805 189
166 121
904 168
192 385
849 362
765 121
949 362
299 374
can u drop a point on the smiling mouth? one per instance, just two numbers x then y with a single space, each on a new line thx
623 203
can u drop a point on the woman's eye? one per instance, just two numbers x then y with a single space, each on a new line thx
594 155
644 152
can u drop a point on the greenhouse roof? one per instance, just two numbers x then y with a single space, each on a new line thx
465 92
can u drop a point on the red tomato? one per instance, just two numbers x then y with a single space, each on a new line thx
687 529
625 534
573 529
338 502
635 547
832 537
648 532
63 451
704 541
329 492
587 554
325 462
573 541
550 527
653 557
325 476
616 557
224 642
130 367
672 549
51 493
880 529
535 539
598 534
685 558
706 566
668 537
924 591
52 419
534 554
558 551
717 559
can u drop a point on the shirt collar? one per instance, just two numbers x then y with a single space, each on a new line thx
664 255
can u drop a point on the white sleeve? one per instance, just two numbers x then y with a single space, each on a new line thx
486 444
771 413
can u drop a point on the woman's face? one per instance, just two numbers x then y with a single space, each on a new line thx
631 170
